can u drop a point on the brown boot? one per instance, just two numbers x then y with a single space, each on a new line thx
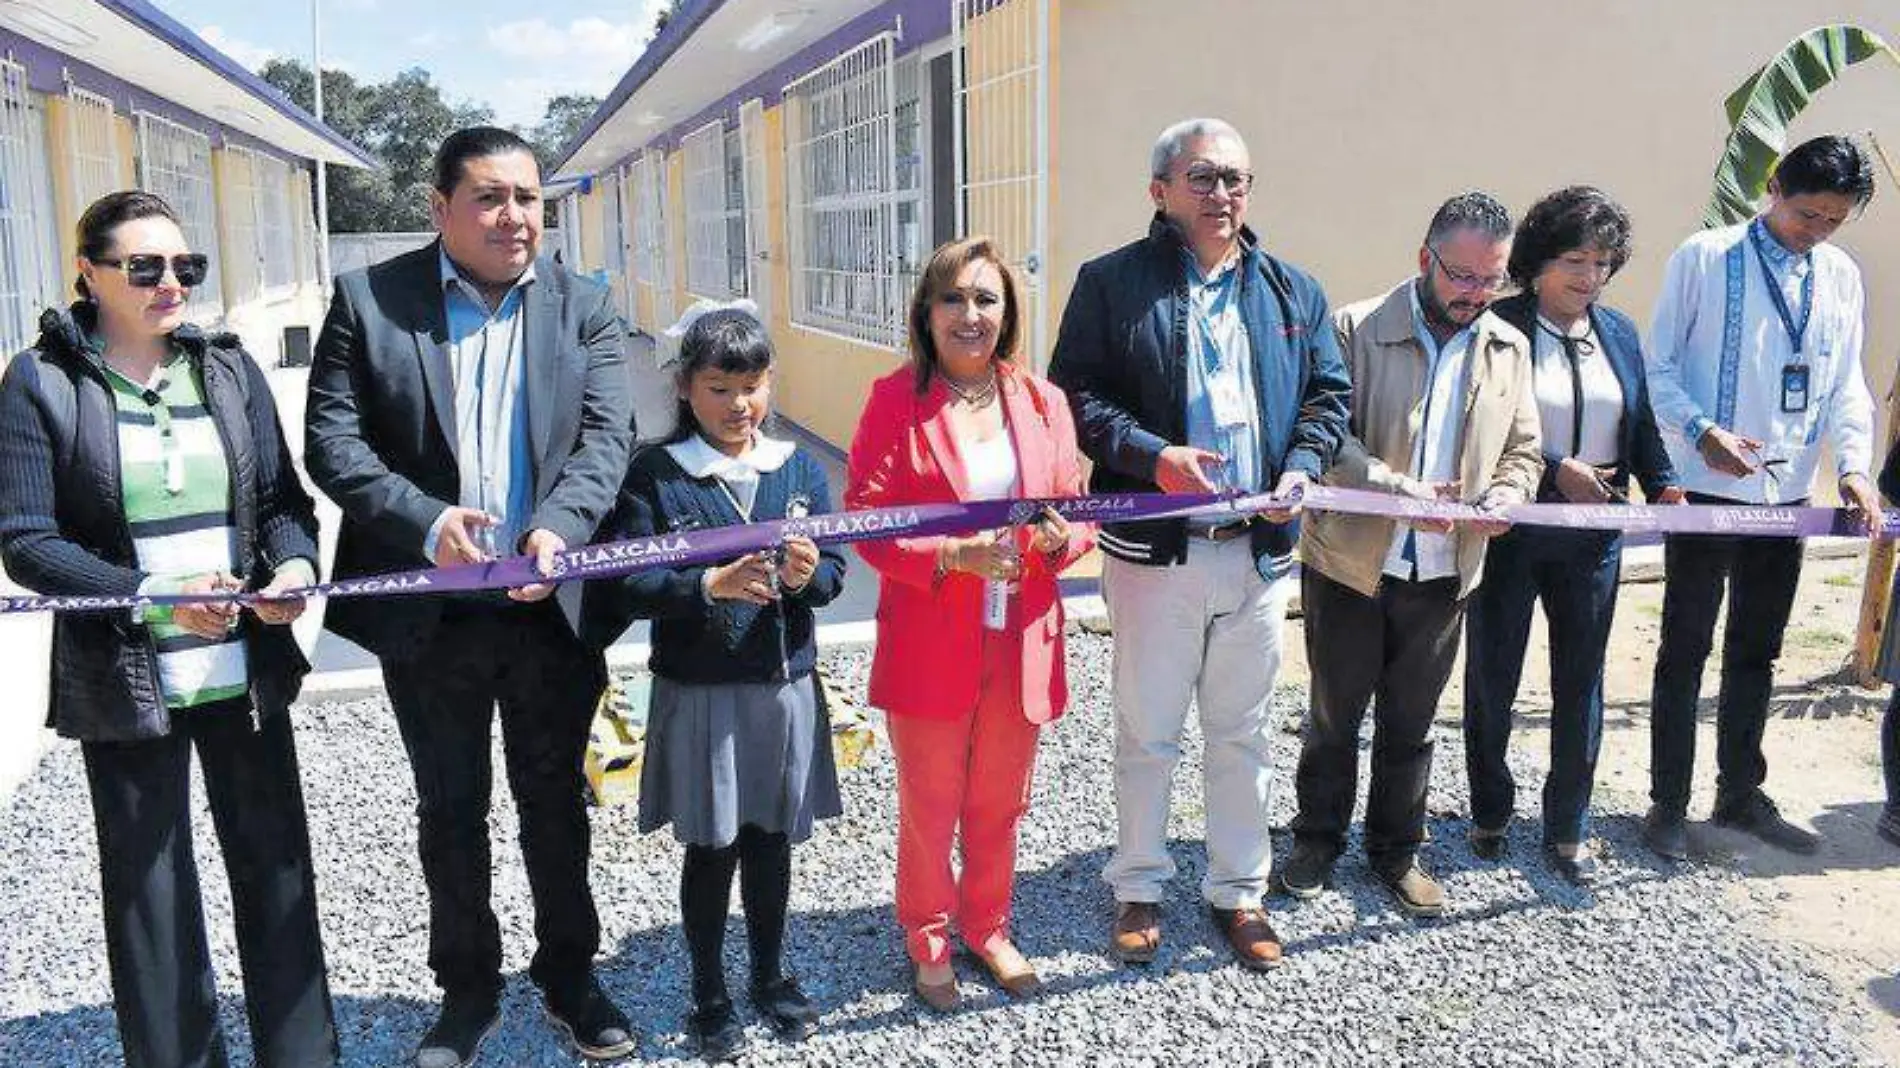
1137 932
1250 936
1417 893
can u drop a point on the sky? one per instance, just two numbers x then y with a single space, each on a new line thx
508 55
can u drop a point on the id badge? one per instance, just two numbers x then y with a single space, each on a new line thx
1230 406
1794 388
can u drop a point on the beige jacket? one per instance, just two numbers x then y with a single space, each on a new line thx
1499 457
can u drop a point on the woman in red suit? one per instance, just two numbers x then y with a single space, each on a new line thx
969 629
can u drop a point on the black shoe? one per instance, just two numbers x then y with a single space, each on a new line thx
456 1037
1760 818
716 1031
1488 844
1888 826
1308 870
590 1022
786 1007
1666 834
1580 870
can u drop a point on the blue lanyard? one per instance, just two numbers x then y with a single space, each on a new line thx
1797 332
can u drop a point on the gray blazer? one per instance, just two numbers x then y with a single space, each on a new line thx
380 435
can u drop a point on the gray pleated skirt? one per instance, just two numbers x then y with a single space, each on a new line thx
722 756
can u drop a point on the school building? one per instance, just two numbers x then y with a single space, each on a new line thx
101 95
811 155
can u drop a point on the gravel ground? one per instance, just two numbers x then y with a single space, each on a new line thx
1654 967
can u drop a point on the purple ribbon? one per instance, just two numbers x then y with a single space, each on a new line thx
680 549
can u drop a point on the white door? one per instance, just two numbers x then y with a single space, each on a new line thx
758 238
1002 141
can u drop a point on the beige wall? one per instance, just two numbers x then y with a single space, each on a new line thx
1362 115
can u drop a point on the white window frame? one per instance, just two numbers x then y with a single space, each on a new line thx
174 161
652 253
258 215
842 195
614 217
29 274
717 241
758 237
92 146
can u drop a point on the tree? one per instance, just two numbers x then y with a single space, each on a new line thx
400 122
359 198
563 119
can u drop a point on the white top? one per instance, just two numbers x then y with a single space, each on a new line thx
991 468
1440 417
1602 438
1716 358
739 474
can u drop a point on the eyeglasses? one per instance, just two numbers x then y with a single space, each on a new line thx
147 269
1203 180
1490 283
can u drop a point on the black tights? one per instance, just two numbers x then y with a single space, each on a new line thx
764 864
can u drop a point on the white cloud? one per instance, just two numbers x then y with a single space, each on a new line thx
589 53
431 40
248 55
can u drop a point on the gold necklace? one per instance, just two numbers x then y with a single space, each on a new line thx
975 396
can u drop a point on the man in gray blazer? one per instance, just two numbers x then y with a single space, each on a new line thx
467 401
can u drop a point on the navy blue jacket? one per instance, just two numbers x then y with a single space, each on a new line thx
1641 452
1121 356
696 642
63 528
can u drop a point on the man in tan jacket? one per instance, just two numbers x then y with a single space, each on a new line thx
1442 407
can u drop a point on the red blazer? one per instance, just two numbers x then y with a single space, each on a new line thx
930 631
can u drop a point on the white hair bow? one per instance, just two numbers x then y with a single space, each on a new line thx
699 309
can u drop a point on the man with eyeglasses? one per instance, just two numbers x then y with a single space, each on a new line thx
1196 362
1443 408
1754 366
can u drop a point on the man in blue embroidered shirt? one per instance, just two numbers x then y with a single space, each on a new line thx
1754 366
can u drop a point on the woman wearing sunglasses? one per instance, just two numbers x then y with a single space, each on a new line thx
1598 432
139 455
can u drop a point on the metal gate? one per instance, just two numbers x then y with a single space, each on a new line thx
1002 142
758 242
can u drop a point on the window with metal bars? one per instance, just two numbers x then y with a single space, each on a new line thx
652 258
715 212
94 163
174 162
29 276
851 187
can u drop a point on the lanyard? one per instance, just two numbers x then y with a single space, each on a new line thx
1797 331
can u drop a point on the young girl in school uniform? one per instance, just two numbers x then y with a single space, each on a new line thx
738 748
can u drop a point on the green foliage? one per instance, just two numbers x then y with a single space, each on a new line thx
400 122
1762 108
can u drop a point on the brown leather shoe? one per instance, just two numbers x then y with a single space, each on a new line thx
1011 970
941 997
1250 936
1417 893
1137 932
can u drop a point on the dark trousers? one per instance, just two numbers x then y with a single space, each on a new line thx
1759 576
524 659
1574 573
1394 650
1890 750
162 986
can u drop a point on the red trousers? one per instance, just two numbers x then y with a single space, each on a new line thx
971 775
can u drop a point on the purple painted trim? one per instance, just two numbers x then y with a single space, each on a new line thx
924 21
45 73
167 29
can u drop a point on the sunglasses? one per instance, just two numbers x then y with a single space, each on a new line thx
147 269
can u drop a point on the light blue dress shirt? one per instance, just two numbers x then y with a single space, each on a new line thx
1220 357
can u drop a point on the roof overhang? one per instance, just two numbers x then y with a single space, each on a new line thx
134 41
708 48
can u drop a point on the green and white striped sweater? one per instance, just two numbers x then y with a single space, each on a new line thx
177 488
